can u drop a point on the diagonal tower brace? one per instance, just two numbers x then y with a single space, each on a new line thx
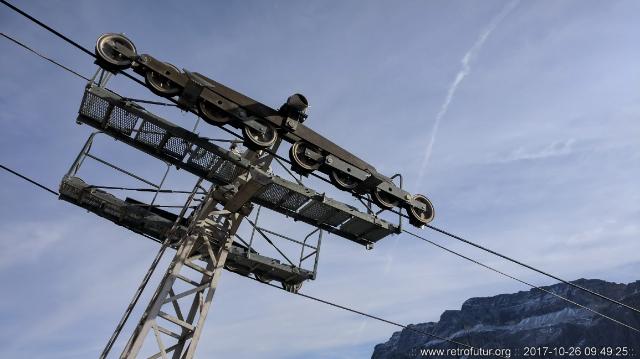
207 242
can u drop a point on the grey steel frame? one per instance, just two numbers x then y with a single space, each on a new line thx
201 249
131 124
85 153
206 242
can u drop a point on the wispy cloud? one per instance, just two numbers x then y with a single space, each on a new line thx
465 69
28 241
554 149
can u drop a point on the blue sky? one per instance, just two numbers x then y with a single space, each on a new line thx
536 154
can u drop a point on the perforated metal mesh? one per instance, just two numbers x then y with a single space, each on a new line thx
316 210
94 107
283 197
294 200
202 158
176 147
226 172
320 212
337 218
122 120
273 193
279 197
222 170
323 213
150 134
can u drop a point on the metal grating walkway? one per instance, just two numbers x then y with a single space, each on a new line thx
141 219
132 124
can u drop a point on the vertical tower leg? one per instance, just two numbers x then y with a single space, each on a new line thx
208 243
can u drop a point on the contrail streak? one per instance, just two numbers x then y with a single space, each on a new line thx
465 69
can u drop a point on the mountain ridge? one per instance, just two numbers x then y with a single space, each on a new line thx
530 318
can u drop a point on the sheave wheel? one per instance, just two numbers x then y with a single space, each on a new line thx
106 52
253 138
212 114
161 85
418 217
383 199
300 159
343 181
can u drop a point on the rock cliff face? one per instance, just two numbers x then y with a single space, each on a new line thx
529 319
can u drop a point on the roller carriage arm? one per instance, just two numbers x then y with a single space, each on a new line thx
261 125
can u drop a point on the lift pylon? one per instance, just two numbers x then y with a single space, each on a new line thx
205 240
198 263
211 236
